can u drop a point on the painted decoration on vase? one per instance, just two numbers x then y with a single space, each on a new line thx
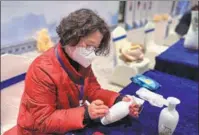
143 11
130 5
129 17
137 15
149 10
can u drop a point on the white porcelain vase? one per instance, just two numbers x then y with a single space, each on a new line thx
169 117
191 39
149 36
116 112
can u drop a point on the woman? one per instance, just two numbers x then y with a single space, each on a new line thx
62 77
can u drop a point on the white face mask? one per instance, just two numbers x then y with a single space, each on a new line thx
81 55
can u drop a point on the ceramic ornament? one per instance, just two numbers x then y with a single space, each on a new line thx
191 39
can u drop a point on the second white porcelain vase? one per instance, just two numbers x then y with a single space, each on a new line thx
191 39
169 117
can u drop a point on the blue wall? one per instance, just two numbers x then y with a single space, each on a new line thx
21 19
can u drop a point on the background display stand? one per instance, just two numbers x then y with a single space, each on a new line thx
123 71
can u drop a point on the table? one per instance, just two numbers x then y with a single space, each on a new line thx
13 69
179 61
147 124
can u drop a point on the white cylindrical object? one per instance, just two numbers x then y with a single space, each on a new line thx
149 34
169 117
159 33
191 39
116 112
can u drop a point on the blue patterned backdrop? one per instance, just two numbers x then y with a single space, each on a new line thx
21 19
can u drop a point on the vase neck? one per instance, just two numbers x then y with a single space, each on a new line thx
172 107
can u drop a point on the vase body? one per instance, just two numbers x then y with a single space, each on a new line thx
169 118
191 39
116 112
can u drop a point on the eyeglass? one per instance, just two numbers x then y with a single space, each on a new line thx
90 47
87 51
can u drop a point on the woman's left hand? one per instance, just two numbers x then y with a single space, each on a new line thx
133 108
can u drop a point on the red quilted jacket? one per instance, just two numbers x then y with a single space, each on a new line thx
50 102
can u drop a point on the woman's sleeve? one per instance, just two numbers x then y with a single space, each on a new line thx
41 106
94 91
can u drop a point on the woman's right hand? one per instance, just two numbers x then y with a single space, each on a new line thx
97 109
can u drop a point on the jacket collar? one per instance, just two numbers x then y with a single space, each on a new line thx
74 73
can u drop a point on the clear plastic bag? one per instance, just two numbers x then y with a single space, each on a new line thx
153 98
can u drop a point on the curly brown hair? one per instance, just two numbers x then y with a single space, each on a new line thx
81 23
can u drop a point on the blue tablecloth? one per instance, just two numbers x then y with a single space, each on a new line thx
147 124
179 61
